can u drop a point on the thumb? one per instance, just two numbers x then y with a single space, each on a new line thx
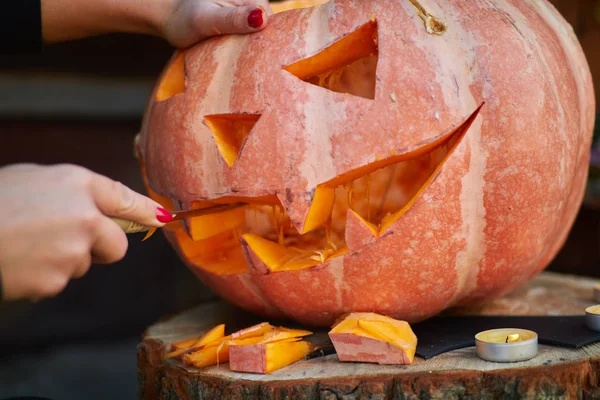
233 20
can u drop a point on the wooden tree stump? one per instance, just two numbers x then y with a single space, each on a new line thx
556 372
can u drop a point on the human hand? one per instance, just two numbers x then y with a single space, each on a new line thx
181 22
55 224
192 21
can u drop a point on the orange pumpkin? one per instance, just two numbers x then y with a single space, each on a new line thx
397 157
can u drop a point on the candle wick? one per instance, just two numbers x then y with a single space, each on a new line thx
506 340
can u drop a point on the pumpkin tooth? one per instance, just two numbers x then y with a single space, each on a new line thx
255 263
277 257
309 211
320 209
268 256
359 232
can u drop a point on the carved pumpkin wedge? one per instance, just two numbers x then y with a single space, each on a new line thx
398 157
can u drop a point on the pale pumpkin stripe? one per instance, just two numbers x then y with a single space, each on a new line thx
317 35
449 56
219 93
473 213
336 268
321 112
217 101
473 210
519 20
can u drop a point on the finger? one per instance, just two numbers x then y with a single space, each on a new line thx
111 243
231 20
264 4
82 266
117 200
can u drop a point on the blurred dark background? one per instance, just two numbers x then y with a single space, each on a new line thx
82 103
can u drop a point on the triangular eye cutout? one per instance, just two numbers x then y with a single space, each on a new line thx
230 132
347 66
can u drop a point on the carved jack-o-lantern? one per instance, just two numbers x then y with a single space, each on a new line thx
398 157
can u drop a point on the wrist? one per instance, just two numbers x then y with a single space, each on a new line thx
68 20
142 16
156 16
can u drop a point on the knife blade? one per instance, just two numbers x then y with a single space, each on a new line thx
134 227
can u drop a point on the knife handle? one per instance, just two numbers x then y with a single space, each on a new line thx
130 226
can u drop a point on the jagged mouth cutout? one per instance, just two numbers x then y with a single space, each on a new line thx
364 203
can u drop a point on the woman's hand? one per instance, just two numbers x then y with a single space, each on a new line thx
54 224
192 21
181 22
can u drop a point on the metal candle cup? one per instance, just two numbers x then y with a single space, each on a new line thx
592 318
506 345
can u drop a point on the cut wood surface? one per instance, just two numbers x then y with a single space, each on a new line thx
556 372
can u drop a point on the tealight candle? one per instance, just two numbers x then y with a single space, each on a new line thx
597 292
506 345
592 317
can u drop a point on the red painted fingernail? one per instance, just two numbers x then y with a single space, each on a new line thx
255 18
163 215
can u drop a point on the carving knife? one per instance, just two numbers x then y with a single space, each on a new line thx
134 227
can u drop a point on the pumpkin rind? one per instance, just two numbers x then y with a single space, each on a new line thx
494 216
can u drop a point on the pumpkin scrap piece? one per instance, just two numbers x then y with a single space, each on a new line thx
282 347
216 354
187 346
280 333
217 351
253 331
279 348
374 338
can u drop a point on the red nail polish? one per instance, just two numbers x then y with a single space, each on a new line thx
163 215
255 18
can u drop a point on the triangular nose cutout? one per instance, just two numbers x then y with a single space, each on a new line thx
347 66
230 132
